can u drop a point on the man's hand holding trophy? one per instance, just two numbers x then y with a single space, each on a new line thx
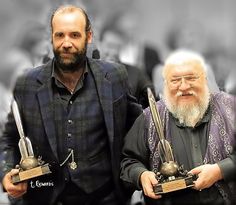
29 166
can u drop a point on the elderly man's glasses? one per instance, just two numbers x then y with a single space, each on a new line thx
175 82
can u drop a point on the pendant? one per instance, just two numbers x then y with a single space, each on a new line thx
73 165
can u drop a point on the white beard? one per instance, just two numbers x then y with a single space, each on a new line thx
188 114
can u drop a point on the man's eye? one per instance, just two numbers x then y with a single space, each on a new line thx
191 78
59 35
176 80
76 35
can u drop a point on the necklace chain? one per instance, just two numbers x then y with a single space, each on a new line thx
73 164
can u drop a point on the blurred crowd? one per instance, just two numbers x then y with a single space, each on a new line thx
119 36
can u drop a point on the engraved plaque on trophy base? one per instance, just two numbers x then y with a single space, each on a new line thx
31 173
174 185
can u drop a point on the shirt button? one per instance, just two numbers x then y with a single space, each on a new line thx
69 135
70 121
71 102
66 179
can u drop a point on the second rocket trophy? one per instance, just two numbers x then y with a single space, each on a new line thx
171 177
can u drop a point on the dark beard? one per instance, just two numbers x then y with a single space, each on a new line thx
77 61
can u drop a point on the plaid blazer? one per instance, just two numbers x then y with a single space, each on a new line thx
34 96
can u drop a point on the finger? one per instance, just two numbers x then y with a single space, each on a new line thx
18 194
20 187
14 172
198 184
148 191
151 194
197 189
147 188
153 180
25 186
196 170
18 190
14 194
154 196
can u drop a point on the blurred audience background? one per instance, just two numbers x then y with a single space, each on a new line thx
112 42
152 29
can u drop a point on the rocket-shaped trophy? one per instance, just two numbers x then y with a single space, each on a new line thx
171 177
29 166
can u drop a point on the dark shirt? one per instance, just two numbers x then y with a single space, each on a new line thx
80 127
189 145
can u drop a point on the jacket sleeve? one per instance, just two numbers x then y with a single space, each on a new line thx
9 151
135 155
133 109
228 167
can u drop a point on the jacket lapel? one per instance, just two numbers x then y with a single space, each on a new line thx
45 98
104 89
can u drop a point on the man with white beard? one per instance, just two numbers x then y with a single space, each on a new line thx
200 127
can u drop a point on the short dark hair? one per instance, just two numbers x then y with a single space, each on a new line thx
71 8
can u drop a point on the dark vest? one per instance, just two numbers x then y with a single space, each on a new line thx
80 126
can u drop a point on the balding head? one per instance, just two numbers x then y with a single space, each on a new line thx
71 9
181 57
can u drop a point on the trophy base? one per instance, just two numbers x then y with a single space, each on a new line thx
175 185
31 173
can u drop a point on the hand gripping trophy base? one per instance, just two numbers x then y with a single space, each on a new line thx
30 168
172 178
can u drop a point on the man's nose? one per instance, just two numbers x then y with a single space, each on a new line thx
67 43
184 85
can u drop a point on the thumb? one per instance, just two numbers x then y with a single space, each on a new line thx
153 179
14 171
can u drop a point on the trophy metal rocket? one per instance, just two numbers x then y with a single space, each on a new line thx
171 176
29 166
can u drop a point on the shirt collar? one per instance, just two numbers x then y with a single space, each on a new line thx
58 83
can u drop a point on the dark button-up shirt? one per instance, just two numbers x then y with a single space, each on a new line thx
190 142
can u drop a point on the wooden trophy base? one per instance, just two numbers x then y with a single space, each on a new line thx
174 185
31 173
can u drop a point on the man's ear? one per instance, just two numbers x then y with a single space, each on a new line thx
89 37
